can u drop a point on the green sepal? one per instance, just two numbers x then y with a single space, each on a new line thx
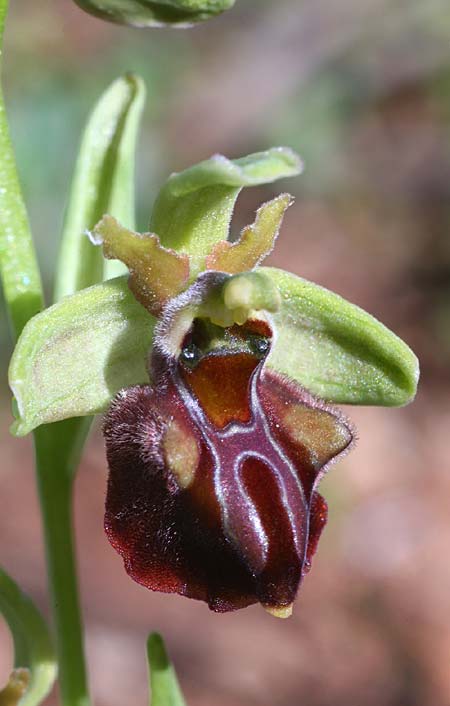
73 357
34 661
193 209
336 350
165 690
147 13
103 182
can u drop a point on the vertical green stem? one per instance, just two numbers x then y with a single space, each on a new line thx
56 459
18 266
58 446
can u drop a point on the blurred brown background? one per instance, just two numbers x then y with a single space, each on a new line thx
361 88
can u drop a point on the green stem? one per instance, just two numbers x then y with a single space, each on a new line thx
18 266
57 448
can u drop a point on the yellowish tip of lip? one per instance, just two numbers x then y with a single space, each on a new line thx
282 611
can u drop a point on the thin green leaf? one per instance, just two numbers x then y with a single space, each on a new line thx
165 690
34 661
74 357
336 350
19 270
103 182
147 13
194 208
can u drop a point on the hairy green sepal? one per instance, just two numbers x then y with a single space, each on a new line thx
193 209
336 350
146 13
73 357
34 661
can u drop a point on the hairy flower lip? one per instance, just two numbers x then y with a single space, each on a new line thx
239 520
269 600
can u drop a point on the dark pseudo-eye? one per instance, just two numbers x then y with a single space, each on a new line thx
190 354
259 345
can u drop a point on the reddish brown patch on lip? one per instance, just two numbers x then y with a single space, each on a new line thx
220 512
221 385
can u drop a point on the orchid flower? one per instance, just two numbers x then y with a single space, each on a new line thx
218 377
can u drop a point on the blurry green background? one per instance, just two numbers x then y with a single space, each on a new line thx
361 88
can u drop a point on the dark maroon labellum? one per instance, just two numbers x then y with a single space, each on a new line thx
213 472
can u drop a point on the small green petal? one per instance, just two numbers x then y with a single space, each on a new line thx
72 358
34 661
193 210
336 350
147 13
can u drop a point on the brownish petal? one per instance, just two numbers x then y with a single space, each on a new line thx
156 273
312 433
255 243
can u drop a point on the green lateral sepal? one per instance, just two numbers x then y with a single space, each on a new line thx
336 350
73 358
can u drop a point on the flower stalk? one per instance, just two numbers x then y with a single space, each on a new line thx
57 451
57 448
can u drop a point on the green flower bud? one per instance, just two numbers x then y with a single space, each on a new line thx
35 664
146 13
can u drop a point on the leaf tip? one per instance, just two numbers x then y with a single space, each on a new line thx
292 159
157 653
411 375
